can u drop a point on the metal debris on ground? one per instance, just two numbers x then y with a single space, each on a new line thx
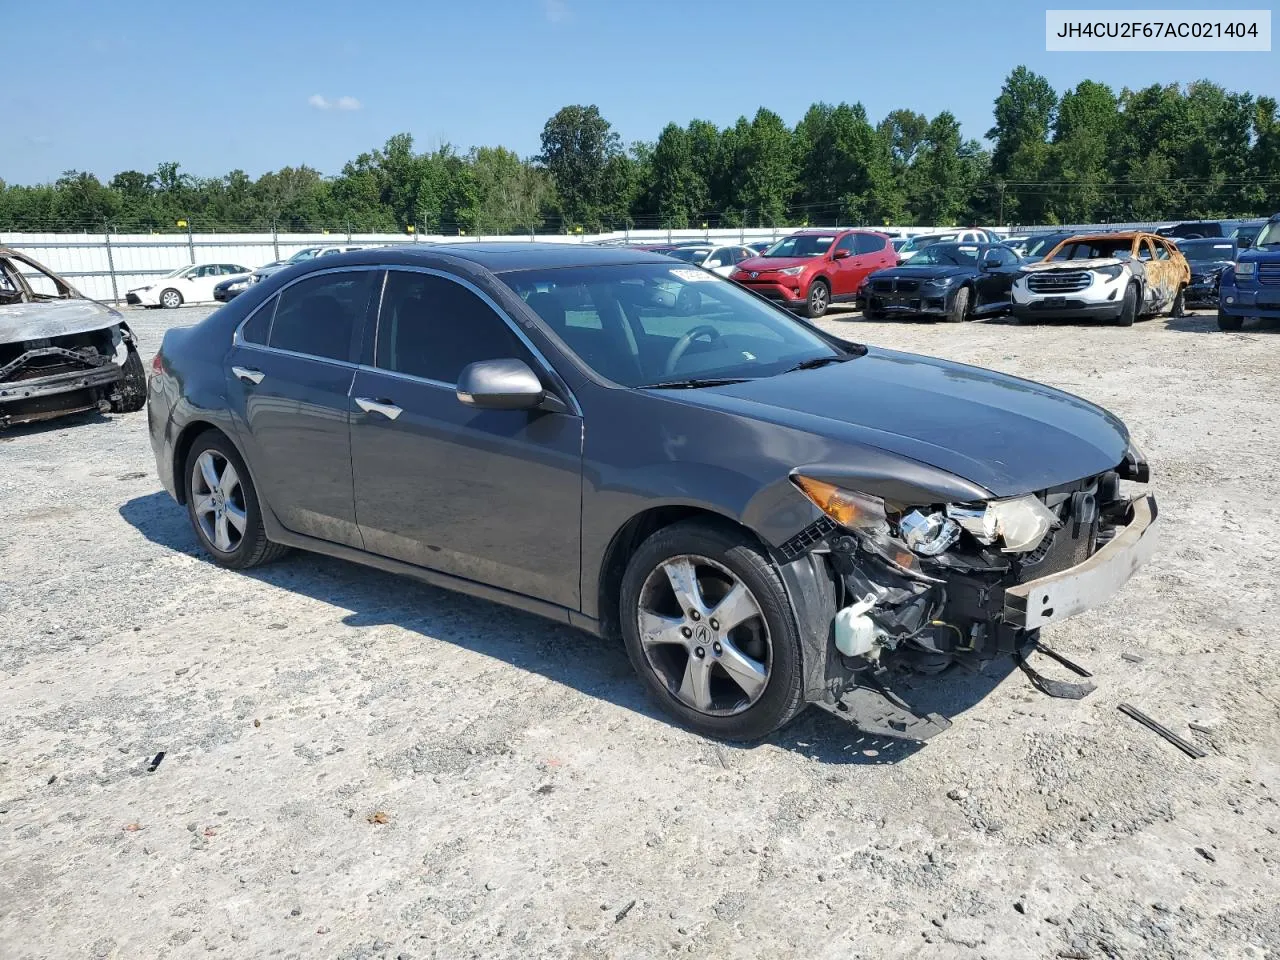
1059 689
155 762
378 816
1207 854
1131 657
1199 727
1190 749
623 912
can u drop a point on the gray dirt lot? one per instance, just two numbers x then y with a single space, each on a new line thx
536 805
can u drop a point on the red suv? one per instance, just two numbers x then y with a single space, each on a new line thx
812 269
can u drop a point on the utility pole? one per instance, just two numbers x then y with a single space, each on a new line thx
1000 216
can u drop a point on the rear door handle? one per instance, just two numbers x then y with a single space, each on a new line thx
248 375
388 410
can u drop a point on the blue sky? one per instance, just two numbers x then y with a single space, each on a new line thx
111 86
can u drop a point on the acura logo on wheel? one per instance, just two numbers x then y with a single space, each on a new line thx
702 635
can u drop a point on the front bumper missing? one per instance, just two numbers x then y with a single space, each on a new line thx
1056 597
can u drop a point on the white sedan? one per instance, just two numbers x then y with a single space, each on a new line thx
721 260
192 284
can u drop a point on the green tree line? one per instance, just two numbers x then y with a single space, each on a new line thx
1087 154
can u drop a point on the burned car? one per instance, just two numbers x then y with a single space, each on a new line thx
59 351
765 514
1105 276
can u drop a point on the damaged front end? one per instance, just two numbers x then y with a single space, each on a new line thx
48 377
60 352
923 587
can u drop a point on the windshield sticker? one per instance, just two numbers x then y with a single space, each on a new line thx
694 276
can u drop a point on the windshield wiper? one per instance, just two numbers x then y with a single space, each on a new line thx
693 383
815 362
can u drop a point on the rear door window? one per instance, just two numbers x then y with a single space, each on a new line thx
868 243
321 315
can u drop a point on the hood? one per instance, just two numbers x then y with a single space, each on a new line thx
1209 268
1008 435
768 264
924 271
1091 264
54 318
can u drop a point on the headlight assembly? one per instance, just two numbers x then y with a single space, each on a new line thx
1018 525
1110 272
792 271
1245 268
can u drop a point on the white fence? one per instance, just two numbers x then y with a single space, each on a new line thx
106 266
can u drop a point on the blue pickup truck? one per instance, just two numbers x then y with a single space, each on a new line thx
1251 288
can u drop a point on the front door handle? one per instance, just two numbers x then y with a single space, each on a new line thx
388 410
248 375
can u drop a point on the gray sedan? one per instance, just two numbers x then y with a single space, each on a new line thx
768 516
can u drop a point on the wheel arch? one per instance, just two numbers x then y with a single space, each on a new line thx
182 446
627 539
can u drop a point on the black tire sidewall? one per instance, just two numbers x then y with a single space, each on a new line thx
248 549
959 309
1229 323
133 384
1129 308
783 697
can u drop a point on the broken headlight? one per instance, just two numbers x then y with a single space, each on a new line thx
1018 524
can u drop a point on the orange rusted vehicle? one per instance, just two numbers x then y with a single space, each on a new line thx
1104 276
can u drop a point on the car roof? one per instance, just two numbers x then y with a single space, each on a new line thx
501 257
1117 235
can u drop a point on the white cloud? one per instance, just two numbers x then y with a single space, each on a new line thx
342 103
557 11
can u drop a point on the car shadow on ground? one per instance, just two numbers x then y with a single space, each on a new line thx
558 652
1208 323
62 422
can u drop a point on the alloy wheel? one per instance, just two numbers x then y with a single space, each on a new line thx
704 635
217 498
818 297
171 299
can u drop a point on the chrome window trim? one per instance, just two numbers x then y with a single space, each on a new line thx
238 340
490 303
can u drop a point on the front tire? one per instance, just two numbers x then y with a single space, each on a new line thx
1179 306
170 298
133 385
709 630
959 311
1229 323
223 506
819 299
1128 307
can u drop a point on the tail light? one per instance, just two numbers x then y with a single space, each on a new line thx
157 366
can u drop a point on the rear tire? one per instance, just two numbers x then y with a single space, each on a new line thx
720 560
226 505
133 385
1128 307
959 311
1229 323
819 299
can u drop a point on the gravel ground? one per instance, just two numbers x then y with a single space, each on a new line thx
358 766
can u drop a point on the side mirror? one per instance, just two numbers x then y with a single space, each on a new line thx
500 385
992 264
712 264
839 254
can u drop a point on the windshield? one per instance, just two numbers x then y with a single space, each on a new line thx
947 254
1039 246
1207 251
1096 249
301 255
642 324
690 254
801 245
1270 235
